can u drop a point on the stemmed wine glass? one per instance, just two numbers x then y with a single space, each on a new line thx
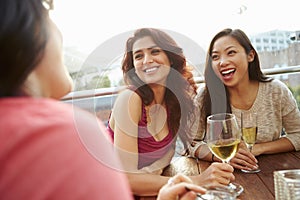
249 133
223 137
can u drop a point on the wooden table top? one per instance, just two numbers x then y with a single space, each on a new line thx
256 186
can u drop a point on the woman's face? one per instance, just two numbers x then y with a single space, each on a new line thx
150 61
230 61
51 78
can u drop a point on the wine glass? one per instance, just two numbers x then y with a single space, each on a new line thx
223 137
249 133
216 195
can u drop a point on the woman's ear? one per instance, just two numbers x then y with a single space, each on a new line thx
251 55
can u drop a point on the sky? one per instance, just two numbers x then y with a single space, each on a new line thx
86 24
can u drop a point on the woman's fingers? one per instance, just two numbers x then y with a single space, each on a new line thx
242 164
243 150
184 191
180 178
222 173
180 187
244 159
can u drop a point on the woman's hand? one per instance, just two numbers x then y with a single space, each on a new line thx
179 187
217 174
244 159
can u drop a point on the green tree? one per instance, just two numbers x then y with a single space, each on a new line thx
99 82
296 93
104 82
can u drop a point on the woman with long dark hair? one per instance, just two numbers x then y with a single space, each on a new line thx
234 83
154 111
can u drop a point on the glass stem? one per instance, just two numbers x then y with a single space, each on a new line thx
250 148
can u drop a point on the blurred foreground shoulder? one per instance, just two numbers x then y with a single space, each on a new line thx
62 151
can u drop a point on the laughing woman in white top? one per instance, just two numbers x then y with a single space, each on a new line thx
235 84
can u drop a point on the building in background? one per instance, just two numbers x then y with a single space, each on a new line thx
279 49
295 37
272 40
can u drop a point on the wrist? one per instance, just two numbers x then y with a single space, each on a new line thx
202 152
256 151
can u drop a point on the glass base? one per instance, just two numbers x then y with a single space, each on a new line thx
236 188
233 188
250 171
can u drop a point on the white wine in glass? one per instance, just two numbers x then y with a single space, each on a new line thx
249 133
225 149
223 136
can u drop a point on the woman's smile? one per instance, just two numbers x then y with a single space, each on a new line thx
151 70
228 73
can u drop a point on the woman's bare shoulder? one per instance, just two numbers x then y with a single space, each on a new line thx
127 105
130 96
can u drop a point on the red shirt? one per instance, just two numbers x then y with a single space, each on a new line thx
50 150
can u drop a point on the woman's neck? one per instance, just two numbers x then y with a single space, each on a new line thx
159 93
243 96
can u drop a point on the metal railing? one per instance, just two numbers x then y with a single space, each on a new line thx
114 90
282 70
100 101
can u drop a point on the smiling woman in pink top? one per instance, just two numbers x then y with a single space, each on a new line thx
154 110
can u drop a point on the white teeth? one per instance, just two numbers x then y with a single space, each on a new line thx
227 71
150 69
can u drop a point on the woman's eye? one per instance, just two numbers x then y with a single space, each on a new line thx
138 56
155 51
231 52
214 57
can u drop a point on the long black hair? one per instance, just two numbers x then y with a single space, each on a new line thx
216 96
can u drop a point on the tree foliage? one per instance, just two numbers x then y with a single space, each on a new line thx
296 93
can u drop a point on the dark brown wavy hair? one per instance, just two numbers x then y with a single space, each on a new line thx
180 86
216 97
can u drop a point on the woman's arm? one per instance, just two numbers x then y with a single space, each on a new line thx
143 184
202 152
180 186
217 174
289 120
278 146
125 116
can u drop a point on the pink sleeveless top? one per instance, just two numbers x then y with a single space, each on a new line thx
149 149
